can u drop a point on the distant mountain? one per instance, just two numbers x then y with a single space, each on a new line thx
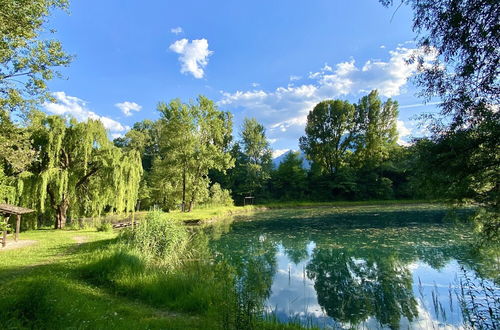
305 163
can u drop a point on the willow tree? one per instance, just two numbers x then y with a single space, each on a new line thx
193 139
78 170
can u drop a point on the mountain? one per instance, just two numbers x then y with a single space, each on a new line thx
305 163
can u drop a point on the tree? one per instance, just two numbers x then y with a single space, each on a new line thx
143 138
193 139
378 132
26 61
26 64
289 180
257 156
465 35
78 170
330 132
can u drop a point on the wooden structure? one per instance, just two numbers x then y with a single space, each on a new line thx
248 200
8 210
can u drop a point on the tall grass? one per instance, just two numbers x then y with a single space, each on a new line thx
158 239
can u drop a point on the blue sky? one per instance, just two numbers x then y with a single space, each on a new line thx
272 60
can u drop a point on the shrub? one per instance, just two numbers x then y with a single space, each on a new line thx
158 238
219 196
105 226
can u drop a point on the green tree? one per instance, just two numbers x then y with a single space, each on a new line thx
257 156
330 132
193 139
289 179
143 138
378 132
78 170
27 62
463 152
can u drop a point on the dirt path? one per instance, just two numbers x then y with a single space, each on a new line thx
80 239
11 244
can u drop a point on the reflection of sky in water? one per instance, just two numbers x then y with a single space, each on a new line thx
293 294
341 270
294 297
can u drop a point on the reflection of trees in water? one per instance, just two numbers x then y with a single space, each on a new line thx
351 289
359 266
254 261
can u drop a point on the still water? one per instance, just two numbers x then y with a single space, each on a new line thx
363 268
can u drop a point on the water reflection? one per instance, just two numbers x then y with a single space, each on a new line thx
371 269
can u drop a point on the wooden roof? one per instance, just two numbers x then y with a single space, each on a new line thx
12 209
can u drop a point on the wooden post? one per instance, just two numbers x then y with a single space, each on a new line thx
4 233
18 226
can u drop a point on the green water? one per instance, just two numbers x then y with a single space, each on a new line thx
366 268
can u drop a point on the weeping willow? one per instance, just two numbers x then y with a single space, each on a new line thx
78 171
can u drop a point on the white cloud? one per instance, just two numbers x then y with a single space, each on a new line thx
71 106
382 46
284 110
127 107
254 84
403 132
176 30
193 55
295 78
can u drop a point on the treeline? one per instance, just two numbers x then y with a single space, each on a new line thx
190 157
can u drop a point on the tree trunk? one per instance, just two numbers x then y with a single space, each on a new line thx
61 211
184 189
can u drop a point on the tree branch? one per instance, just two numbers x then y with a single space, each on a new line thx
87 176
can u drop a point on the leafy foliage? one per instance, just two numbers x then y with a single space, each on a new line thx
26 61
180 170
78 170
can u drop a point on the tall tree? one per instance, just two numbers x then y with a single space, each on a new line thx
193 139
330 132
257 156
27 61
143 138
78 170
465 35
378 132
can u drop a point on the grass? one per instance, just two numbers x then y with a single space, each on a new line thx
87 279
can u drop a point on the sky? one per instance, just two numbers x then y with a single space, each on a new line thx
270 60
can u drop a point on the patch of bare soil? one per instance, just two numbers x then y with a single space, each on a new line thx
11 244
80 239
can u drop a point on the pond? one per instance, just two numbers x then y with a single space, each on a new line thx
362 268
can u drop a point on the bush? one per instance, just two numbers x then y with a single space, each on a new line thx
105 226
158 238
219 196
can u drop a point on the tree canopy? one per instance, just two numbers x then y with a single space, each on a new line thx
78 171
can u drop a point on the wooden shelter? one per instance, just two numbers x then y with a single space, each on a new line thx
8 210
